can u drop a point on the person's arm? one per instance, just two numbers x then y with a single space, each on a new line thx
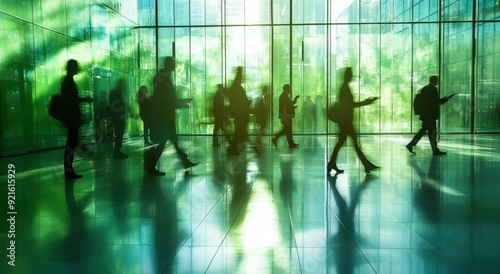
442 101
365 102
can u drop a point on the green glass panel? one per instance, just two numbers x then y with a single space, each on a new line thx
100 27
456 74
21 9
456 10
395 79
425 10
78 19
370 11
487 105
425 58
166 13
369 79
488 9
17 86
52 14
51 57
344 11
181 13
257 12
198 12
235 15
147 12
213 11
281 11
281 70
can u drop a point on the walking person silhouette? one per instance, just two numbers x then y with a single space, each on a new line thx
163 124
429 116
286 114
240 109
346 128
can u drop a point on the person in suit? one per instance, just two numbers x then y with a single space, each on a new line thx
346 128
286 114
163 121
429 116
73 120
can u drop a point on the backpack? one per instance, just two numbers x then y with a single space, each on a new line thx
418 104
56 107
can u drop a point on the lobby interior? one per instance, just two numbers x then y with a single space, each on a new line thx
271 209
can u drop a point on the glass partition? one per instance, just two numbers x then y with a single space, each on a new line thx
392 45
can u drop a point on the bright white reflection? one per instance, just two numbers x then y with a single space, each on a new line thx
260 230
438 186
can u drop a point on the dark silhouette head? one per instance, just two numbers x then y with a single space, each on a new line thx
72 67
434 79
141 93
287 88
265 90
120 83
169 64
347 75
239 76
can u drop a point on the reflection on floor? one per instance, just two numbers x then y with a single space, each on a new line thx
272 212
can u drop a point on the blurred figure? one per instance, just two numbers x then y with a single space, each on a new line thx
218 109
286 114
309 114
73 121
101 116
118 111
240 109
346 128
262 112
319 113
429 116
164 102
144 112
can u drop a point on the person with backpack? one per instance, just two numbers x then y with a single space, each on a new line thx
426 106
72 118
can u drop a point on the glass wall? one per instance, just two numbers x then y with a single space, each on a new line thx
392 45
37 38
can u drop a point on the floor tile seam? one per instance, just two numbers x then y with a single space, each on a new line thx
441 253
195 229
351 236
232 223
292 227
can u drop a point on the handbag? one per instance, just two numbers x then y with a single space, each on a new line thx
334 113
56 107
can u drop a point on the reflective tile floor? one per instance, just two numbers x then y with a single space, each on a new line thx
272 212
